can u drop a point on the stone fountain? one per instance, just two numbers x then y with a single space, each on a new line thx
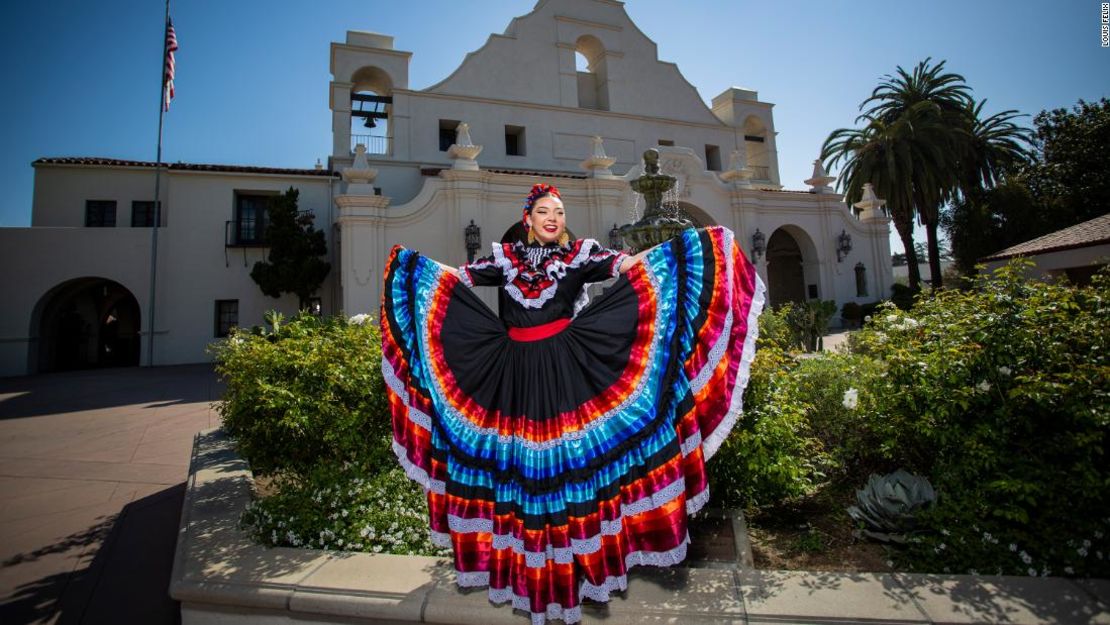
656 225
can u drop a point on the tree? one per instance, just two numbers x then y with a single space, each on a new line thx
1063 180
937 103
295 263
893 157
1070 174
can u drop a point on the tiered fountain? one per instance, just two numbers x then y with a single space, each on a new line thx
656 225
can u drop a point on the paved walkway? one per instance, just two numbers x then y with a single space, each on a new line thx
92 472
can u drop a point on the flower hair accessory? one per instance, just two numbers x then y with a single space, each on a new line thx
538 190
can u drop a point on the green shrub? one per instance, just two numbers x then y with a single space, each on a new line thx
304 391
999 395
770 455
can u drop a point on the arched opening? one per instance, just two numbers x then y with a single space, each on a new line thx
371 110
593 75
699 217
789 264
755 143
86 323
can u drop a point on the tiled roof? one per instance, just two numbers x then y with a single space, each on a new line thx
1086 234
242 169
434 171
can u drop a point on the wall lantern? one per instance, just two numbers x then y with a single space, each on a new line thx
759 243
473 241
843 245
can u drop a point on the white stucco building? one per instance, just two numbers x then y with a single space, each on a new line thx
79 279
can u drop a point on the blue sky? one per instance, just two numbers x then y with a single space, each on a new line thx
81 78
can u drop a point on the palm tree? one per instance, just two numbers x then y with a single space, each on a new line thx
991 148
939 102
884 154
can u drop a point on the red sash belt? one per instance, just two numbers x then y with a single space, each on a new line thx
542 331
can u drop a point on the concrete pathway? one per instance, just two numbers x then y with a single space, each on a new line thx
92 472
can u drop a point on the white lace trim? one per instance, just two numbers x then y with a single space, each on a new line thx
395 384
713 358
417 474
691 443
464 276
601 592
555 270
717 437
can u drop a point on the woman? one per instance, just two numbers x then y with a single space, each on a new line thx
565 442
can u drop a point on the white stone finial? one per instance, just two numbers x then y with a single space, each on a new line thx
462 134
819 182
598 165
738 170
463 151
319 165
360 176
871 207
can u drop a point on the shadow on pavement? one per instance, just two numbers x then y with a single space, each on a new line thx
94 389
126 582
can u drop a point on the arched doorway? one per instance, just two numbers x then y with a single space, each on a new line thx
695 214
86 323
785 269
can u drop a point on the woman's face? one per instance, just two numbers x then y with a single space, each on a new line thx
548 220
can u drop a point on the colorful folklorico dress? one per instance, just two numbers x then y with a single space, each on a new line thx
565 442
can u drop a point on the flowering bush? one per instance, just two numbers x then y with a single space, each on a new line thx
999 395
348 507
303 391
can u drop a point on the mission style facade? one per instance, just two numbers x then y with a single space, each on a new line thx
420 167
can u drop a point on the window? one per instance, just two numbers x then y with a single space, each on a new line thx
861 280
142 214
712 157
755 138
227 316
666 142
100 213
447 133
251 218
514 140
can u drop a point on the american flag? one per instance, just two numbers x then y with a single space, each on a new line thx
171 47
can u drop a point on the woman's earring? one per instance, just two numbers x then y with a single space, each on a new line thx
564 238
531 237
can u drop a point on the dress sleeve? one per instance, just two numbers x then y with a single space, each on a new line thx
485 271
601 263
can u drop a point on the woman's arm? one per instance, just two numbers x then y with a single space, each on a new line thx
627 263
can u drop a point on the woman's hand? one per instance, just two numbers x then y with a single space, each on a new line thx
448 268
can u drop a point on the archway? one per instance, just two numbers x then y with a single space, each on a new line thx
785 269
86 323
371 110
695 214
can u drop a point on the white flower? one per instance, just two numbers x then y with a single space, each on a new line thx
942 546
851 399
1069 570
1013 547
1032 572
1082 551
359 319
1004 371
983 386
1026 558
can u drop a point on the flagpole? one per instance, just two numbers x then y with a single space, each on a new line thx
157 200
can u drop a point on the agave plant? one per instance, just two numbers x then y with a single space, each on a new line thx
888 505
